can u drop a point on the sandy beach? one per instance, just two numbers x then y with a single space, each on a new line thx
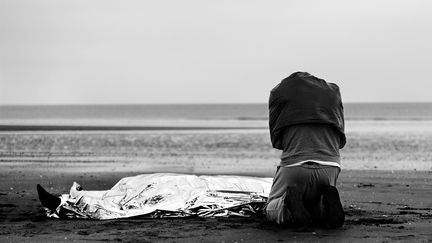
385 185
95 91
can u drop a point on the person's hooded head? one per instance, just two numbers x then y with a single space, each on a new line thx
302 98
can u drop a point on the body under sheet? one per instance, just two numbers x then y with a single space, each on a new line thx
168 195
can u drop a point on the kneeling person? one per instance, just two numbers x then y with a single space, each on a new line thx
307 124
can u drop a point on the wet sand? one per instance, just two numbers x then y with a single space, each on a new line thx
380 206
385 186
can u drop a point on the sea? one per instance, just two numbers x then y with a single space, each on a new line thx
381 135
414 116
353 111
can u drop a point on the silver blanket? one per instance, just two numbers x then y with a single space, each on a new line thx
168 195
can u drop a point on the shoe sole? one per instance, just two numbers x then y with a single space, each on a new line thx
294 202
47 199
333 214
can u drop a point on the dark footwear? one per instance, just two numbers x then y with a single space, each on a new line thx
332 213
294 202
47 199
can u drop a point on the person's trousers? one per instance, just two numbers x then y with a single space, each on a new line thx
310 178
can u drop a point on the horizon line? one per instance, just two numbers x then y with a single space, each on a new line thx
203 103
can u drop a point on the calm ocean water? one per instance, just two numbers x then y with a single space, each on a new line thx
353 111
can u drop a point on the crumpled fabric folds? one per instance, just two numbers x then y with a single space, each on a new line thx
162 195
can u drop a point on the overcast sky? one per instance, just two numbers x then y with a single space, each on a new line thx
184 51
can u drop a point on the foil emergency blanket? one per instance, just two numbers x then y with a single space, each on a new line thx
168 195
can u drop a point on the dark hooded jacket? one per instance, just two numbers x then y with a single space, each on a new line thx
304 99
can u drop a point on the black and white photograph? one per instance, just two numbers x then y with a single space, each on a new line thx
215 121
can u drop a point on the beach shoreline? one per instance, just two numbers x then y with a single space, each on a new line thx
202 150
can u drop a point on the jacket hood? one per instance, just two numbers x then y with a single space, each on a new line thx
303 98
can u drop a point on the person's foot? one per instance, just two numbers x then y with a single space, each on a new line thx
294 202
47 199
332 213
